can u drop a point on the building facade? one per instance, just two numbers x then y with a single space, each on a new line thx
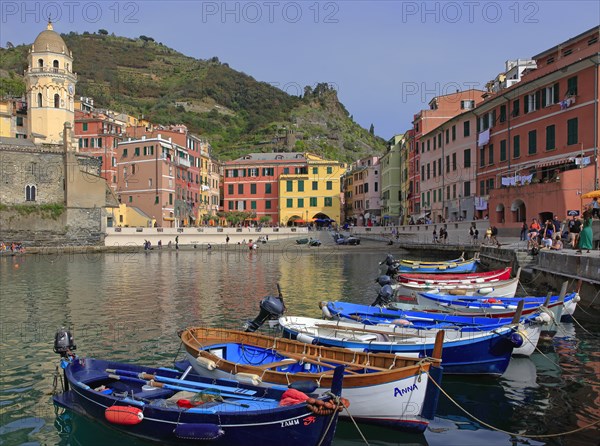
362 192
441 109
391 180
448 169
538 139
251 183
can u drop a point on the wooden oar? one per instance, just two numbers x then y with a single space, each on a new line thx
186 389
143 375
324 362
367 330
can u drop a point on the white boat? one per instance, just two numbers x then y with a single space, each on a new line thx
500 288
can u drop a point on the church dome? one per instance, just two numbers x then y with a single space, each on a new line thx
50 40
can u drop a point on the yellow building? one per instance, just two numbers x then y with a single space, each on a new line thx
312 192
130 217
5 119
50 88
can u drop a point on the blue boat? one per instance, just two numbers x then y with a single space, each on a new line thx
453 266
499 307
465 352
530 326
174 407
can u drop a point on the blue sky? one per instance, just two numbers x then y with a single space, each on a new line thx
387 59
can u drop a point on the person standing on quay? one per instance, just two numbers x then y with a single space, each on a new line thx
586 235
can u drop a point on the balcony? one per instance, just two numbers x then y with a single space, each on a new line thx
51 70
183 162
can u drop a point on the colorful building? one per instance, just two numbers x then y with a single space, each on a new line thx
448 169
362 192
406 149
251 183
13 118
441 109
311 192
98 133
391 180
538 139
146 178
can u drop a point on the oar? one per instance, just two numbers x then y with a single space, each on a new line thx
186 389
165 379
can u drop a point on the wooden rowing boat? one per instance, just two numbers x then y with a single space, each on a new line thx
384 389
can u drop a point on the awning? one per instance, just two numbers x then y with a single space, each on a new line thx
168 219
554 162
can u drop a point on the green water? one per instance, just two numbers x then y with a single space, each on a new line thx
129 307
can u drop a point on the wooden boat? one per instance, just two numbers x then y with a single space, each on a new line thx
384 389
530 327
453 266
505 307
465 352
482 277
168 406
504 288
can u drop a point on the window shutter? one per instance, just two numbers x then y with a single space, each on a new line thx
544 101
526 104
538 95
556 94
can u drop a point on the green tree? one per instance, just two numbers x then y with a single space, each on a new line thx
372 129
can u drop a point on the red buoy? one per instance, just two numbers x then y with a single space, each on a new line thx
127 415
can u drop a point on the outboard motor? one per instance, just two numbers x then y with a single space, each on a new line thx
63 342
392 265
385 293
271 307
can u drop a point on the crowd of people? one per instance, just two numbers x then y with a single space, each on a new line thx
11 247
574 233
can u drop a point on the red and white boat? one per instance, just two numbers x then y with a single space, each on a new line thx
462 278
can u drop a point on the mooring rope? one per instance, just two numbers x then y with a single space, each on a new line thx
483 423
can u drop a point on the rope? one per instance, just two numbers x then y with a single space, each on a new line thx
581 326
489 426
356 425
338 404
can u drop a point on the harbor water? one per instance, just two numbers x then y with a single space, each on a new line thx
129 307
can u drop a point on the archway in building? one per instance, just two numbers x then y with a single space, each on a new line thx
500 217
518 211
321 220
296 220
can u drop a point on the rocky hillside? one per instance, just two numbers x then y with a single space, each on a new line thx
237 113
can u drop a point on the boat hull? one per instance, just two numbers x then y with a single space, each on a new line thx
383 389
223 424
529 328
463 353
395 404
468 266
506 288
482 277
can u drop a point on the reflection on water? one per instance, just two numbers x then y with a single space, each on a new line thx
129 307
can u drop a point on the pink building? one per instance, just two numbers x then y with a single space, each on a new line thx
538 139
448 169
441 109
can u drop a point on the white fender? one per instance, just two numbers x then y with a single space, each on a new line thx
208 364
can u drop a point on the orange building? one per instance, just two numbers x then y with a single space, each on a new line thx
251 183
538 138
441 109
98 134
146 177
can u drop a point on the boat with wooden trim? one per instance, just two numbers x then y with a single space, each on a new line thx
174 407
560 305
449 278
384 389
530 327
504 288
465 351
453 266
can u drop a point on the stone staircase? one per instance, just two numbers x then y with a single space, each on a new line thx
525 260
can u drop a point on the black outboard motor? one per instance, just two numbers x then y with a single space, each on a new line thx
63 342
271 307
385 293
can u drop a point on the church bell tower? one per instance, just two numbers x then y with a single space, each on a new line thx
50 84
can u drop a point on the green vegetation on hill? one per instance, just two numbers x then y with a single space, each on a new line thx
234 111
